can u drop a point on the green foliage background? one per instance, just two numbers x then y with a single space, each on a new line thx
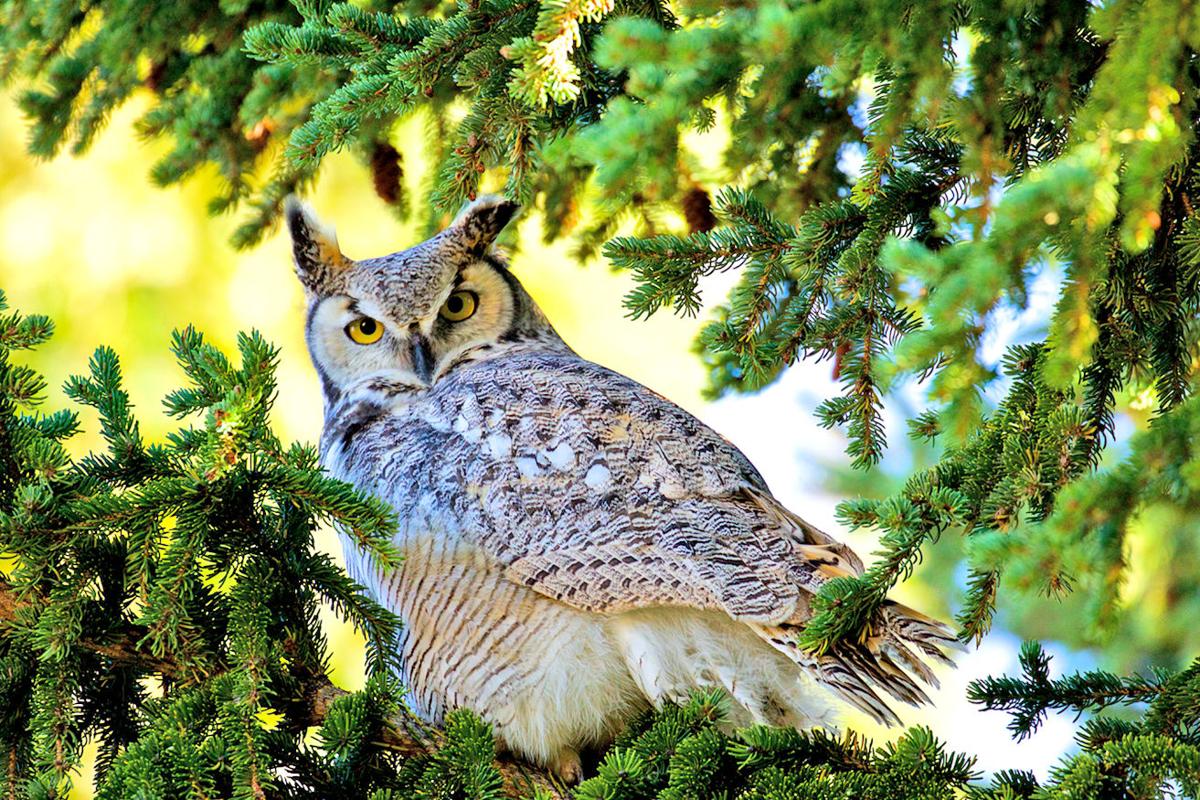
999 140
602 114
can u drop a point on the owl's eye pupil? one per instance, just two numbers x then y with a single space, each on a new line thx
459 306
364 330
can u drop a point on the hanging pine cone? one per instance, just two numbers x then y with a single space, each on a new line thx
842 349
697 210
387 172
154 77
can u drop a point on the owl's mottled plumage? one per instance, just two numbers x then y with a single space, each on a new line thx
577 547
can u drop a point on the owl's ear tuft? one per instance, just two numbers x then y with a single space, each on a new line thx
314 245
481 222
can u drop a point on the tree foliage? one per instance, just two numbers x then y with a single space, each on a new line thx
163 600
999 142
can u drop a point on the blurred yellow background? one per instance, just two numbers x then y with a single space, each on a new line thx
115 260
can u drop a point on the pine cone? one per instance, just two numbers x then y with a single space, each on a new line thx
154 78
386 172
697 210
260 133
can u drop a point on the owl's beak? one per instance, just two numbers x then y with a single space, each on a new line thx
422 357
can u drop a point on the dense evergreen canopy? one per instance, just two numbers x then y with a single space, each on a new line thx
998 141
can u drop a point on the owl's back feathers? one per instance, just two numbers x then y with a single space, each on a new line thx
592 490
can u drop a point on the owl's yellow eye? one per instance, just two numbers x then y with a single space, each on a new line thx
364 331
459 306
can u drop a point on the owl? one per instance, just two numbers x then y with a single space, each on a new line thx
577 548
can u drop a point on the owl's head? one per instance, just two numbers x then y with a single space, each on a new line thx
416 314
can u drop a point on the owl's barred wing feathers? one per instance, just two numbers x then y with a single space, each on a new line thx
597 492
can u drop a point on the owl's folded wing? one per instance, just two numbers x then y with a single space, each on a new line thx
594 490
589 488
620 576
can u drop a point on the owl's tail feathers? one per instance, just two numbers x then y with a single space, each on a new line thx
931 637
885 660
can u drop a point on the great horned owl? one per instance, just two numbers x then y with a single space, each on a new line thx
576 547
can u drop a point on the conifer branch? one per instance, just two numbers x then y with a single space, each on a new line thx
121 648
1029 697
403 734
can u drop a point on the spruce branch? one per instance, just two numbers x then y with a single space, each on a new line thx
314 698
1031 696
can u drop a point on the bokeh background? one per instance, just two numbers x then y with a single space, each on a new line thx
115 260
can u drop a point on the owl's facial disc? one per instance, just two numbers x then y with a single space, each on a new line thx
410 314
352 338
478 308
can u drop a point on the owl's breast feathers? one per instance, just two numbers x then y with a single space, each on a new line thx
593 490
